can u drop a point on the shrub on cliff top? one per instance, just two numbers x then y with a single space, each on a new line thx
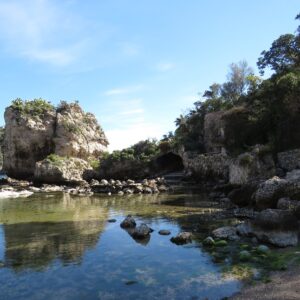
35 108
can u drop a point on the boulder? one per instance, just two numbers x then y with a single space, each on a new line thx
289 160
182 238
61 170
209 241
142 231
226 232
128 222
288 204
164 232
242 196
268 192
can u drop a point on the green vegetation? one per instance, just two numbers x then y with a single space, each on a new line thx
56 159
34 108
254 111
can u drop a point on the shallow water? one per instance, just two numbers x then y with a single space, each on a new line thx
55 246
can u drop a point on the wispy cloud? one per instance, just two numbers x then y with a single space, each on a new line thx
39 31
123 90
165 66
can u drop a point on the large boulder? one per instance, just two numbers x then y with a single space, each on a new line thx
242 196
36 129
269 192
226 232
274 226
289 160
61 170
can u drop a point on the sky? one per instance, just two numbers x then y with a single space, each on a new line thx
136 65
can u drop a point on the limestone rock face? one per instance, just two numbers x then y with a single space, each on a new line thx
32 134
27 140
251 166
289 160
206 166
78 133
65 170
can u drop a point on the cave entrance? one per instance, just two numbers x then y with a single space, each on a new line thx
169 162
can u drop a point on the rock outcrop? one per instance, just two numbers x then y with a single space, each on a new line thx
64 170
36 129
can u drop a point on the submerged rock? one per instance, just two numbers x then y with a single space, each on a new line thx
128 222
209 241
182 238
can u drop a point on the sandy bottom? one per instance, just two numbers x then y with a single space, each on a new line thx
283 286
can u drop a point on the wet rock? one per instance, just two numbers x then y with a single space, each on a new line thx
129 181
128 222
209 241
142 231
51 188
111 220
244 255
182 238
288 204
14 194
112 182
263 249
221 243
164 232
120 193
128 191
226 232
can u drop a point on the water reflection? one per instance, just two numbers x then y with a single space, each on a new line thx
62 247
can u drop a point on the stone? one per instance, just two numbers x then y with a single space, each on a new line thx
289 160
221 243
142 231
129 181
226 232
244 255
269 192
209 241
164 232
94 182
104 182
128 222
147 190
288 204
111 220
14 194
182 238
128 191
263 249
120 193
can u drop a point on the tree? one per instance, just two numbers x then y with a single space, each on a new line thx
284 53
237 82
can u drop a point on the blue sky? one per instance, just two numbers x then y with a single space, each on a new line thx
135 64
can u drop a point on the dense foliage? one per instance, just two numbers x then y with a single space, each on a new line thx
259 111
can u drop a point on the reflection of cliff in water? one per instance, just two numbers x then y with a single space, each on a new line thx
48 236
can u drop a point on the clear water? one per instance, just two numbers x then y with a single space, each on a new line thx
62 247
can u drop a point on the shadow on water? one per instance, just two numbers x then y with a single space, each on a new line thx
54 246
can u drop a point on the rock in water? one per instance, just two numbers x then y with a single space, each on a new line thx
226 232
128 222
142 231
182 238
164 232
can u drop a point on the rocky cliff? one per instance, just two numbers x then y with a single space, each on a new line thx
36 129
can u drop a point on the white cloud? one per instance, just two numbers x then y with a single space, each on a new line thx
123 90
39 31
165 66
